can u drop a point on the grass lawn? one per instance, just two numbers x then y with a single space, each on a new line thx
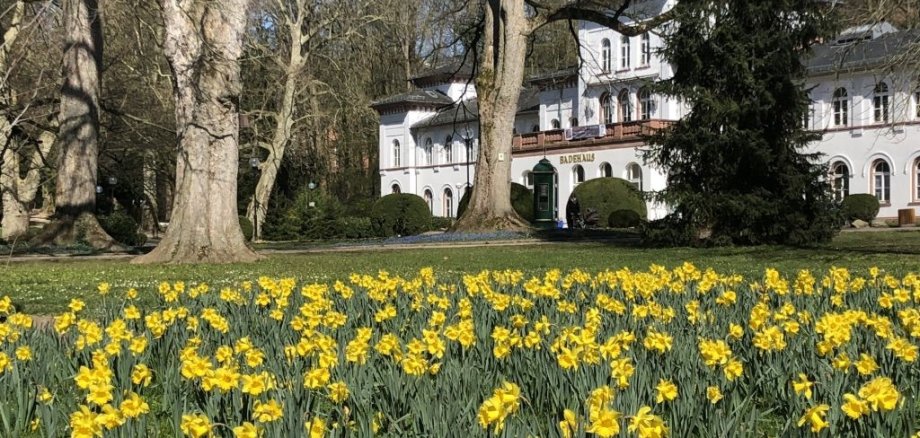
47 287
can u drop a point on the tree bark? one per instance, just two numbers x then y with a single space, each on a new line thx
75 192
498 86
19 192
203 44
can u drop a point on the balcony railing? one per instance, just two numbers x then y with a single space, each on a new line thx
616 133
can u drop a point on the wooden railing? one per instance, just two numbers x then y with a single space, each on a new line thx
616 133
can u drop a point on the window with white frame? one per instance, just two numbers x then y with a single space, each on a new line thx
449 149
625 53
645 50
578 174
634 175
468 150
881 103
396 150
607 111
625 106
916 173
448 203
840 180
881 181
555 124
645 104
917 104
427 152
429 199
606 170
528 179
606 56
841 107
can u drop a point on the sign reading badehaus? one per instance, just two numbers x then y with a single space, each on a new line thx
576 158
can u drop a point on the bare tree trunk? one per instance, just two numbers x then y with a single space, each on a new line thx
498 85
203 45
75 194
150 222
19 192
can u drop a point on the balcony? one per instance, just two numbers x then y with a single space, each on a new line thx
617 133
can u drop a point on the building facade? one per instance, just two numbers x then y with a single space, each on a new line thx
589 121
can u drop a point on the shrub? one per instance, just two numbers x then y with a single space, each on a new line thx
354 227
666 232
521 200
607 195
402 214
246 227
441 223
861 206
122 228
624 219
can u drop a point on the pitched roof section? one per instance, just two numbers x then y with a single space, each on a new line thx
468 110
861 55
453 72
416 97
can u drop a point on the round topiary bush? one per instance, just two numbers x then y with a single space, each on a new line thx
246 227
624 219
122 228
521 200
607 195
862 206
400 214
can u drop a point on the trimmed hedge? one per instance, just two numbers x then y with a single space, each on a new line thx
860 206
521 201
400 214
607 195
122 228
624 219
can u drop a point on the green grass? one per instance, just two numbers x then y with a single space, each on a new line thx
47 287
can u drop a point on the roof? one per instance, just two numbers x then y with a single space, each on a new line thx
838 58
468 110
420 97
557 76
454 71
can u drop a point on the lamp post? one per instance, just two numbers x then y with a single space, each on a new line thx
112 181
254 163
311 186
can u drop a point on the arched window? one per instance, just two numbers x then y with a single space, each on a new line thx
449 149
634 175
555 124
448 203
427 152
429 199
606 170
840 180
607 111
881 103
625 106
396 150
528 179
917 104
841 104
646 50
536 128
916 173
645 104
573 122
468 150
881 181
395 189
624 52
605 56
578 174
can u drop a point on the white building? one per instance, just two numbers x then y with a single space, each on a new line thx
587 121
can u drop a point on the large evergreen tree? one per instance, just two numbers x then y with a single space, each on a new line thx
737 164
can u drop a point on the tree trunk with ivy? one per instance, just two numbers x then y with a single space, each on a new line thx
203 45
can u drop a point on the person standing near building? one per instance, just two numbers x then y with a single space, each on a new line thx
572 211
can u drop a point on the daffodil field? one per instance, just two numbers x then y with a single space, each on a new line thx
680 352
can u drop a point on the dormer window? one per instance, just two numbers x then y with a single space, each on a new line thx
606 56
881 103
